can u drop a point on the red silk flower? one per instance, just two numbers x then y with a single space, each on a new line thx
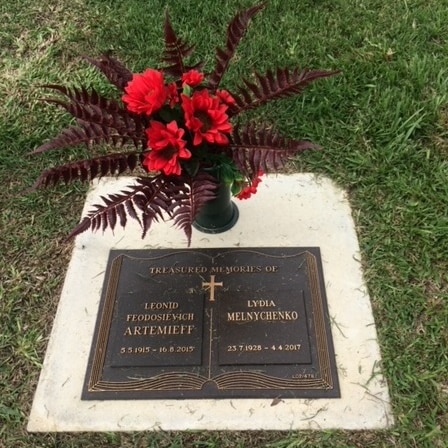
206 117
146 92
225 97
172 94
167 147
192 78
251 189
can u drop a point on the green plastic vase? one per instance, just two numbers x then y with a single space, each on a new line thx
219 214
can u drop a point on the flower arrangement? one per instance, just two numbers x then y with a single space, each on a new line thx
179 126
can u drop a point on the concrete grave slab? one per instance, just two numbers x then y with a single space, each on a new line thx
298 210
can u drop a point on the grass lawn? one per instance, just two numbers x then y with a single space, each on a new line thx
383 123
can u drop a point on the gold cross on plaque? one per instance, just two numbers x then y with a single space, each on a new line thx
211 285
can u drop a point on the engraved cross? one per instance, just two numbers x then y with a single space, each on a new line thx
211 285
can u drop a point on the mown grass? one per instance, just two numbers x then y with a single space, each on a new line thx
383 123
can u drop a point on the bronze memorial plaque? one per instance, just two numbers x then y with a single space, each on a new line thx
213 323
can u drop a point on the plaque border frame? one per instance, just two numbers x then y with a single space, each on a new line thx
326 385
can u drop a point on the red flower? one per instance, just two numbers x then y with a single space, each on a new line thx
250 189
167 148
173 96
192 78
225 97
146 92
206 117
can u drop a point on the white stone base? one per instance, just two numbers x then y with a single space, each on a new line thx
289 210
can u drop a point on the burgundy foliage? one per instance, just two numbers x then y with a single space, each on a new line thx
100 120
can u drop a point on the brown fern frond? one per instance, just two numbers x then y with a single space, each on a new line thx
82 96
176 50
263 149
90 107
185 207
146 201
113 69
85 170
99 120
272 86
84 133
235 31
